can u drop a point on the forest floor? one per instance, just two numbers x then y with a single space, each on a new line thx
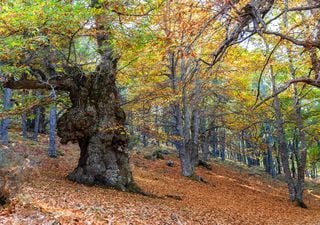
233 195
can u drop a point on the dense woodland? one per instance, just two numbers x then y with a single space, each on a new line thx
197 83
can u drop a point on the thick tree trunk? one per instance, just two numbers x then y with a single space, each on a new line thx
96 122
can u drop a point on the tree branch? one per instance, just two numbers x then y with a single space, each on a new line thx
27 108
312 82
263 69
133 14
64 85
245 18
304 43
301 8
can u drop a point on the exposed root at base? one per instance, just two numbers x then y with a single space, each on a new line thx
301 204
176 197
198 178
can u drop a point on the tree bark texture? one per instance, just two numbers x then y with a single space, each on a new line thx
96 122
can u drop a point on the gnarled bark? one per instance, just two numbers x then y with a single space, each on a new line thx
96 122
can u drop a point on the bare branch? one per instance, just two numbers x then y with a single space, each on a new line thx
301 8
65 85
132 14
312 82
260 8
304 43
263 69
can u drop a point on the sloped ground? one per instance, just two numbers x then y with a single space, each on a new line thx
232 196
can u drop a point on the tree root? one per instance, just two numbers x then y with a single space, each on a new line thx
198 178
176 197
134 188
204 164
300 203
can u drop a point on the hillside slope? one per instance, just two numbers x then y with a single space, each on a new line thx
231 196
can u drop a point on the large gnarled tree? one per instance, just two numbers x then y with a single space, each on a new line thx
95 119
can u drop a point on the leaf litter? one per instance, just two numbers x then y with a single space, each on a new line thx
230 196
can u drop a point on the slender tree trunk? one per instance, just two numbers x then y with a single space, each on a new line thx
293 166
204 139
36 124
37 120
278 162
177 126
180 130
156 122
24 126
315 60
205 147
282 141
144 140
144 132
243 147
214 141
195 127
6 121
223 144
52 151
186 151
300 154
269 142
24 120
177 132
195 138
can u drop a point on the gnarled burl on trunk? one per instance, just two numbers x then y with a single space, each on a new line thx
96 121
